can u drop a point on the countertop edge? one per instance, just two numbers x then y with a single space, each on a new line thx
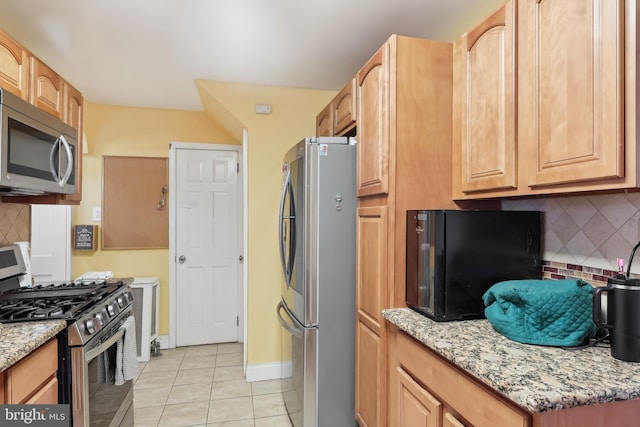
18 340
553 381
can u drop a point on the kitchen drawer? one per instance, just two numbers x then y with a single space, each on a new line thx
477 405
27 377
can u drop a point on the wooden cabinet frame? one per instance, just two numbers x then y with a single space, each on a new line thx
575 107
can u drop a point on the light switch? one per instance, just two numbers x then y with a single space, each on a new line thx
97 214
263 109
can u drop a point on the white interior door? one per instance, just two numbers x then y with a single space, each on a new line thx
207 221
50 243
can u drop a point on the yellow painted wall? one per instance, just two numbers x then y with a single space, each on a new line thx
127 131
292 117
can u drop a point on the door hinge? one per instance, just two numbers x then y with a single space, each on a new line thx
238 167
237 320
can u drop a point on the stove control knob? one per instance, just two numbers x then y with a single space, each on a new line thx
111 310
123 300
99 319
91 327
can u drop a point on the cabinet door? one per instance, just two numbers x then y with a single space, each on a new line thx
324 121
372 260
370 385
14 67
73 115
73 107
416 406
33 375
473 401
46 89
371 289
47 394
451 421
344 108
373 125
570 86
484 114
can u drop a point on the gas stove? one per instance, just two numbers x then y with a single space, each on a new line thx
99 317
87 307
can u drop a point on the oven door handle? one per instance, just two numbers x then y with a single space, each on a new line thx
94 352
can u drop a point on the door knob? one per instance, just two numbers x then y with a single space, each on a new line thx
182 259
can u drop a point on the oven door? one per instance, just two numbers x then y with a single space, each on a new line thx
96 401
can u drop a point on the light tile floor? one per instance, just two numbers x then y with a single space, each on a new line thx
204 386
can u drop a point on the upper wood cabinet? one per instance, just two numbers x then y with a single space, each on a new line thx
571 89
14 67
373 125
344 109
73 115
339 116
26 76
73 109
484 137
566 121
46 88
324 121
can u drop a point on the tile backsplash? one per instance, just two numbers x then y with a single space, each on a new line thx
586 234
15 223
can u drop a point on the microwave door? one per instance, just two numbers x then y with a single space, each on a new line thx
31 157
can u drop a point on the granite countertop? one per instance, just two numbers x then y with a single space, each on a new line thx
535 377
17 340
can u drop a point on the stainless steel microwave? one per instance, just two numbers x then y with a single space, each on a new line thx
37 150
455 256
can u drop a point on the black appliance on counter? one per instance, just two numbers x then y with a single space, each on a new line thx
455 256
95 313
620 317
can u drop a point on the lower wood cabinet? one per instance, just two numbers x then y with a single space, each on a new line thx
416 406
451 421
33 380
371 297
426 391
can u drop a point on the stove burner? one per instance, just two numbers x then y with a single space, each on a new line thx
45 312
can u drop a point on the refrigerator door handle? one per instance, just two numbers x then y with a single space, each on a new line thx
287 190
281 242
296 332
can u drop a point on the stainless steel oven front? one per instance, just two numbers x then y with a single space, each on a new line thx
96 401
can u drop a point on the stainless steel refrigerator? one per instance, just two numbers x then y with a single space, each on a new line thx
317 311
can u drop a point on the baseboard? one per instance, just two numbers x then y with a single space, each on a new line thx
268 371
163 340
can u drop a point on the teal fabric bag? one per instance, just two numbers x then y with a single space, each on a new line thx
544 312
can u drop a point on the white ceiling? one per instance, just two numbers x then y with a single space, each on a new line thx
148 53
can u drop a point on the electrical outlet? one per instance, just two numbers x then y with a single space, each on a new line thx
97 214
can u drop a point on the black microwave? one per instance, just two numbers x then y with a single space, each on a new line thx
37 150
455 256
